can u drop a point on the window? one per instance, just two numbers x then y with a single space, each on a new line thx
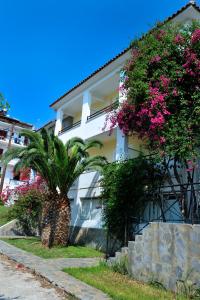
3 134
16 176
71 202
90 208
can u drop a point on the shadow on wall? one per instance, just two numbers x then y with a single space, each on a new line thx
90 236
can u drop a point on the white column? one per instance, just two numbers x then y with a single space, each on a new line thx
121 145
121 139
32 176
86 107
59 119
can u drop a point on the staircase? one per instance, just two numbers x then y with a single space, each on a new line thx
164 252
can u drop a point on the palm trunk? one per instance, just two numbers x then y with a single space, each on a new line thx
63 221
49 216
56 219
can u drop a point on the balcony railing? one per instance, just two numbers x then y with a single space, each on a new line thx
15 183
70 127
103 110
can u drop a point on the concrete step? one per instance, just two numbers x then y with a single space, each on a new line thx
138 238
124 250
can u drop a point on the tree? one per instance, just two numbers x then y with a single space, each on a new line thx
162 84
59 165
4 105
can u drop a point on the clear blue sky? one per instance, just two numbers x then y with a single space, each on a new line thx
47 46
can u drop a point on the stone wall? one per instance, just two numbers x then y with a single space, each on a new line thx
11 228
165 252
92 237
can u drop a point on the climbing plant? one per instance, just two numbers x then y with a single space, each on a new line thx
126 187
161 82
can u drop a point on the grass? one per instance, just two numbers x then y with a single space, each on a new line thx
4 218
119 287
34 246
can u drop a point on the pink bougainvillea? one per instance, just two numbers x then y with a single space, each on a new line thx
195 36
12 194
162 83
179 39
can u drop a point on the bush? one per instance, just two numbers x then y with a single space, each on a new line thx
120 266
28 209
124 190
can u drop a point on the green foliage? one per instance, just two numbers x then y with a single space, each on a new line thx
120 266
58 164
187 288
161 81
118 286
34 245
124 193
4 105
27 210
4 214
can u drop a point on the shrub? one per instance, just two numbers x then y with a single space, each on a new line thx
26 204
125 193
27 210
120 266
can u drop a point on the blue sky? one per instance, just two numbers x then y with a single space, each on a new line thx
47 46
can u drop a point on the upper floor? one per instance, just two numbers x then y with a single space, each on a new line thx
81 111
10 131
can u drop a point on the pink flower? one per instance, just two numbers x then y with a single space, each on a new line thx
155 59
162 140
165 82
179 39
175 92
160 34
195 36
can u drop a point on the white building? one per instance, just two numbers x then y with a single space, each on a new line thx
10 129
81 112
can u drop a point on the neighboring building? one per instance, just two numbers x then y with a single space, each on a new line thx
82 112
10 129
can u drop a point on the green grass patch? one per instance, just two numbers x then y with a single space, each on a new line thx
4 217
119 287
34 246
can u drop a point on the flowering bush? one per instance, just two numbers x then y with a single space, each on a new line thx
9 195
28 211
26 204
162 84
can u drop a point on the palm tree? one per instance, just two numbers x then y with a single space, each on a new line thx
59 165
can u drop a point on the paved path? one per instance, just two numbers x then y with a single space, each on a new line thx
21 285
51 271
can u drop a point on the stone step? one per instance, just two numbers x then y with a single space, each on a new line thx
124 250
138 238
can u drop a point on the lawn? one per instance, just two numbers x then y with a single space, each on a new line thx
34 246
4 218
119 287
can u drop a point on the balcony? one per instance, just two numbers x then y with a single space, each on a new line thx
77 124
104 110
15 183
94 125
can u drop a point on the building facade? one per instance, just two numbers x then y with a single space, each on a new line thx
81 112
10 136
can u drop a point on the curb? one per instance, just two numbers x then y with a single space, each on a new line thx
69 284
